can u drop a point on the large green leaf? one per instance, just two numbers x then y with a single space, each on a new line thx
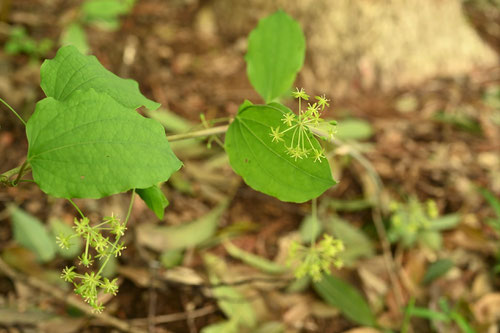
31 233
276 50
90 146
346 298
70 71
265 165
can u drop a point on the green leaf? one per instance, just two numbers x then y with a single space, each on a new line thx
445 222
429 314
432 239
437 269
89 146
346 298
276 50
155 199
105 9
354 129
225 326
183 236
58 227
71 71
31 233
75 35
357 244
171 258
253 260
265 165
494 203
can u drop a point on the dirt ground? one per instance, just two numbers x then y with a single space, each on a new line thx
191 72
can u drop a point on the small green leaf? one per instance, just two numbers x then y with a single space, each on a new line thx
155 199
437 269
225 326
253 260
75 35
445 222
265 165
432 239
97 10
31 233
276 50
171 258
71 71
58 227
90 146
494 203
354 129
183 236
346 298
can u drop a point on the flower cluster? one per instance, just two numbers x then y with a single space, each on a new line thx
316 260
410 219
304 126
88 285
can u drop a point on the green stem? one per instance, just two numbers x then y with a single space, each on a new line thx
21 172
198 134
76 207
118 237
13 111
314 213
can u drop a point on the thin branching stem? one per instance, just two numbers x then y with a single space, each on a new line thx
129 211
13 111
77 209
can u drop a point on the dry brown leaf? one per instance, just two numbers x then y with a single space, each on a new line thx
487 308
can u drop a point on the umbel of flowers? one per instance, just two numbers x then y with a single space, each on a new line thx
302 126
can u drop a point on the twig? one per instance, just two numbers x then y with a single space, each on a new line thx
67 299
163 319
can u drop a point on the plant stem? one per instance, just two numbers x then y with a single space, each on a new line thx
129 211
198 134
13 111
21 172
314 213
78 209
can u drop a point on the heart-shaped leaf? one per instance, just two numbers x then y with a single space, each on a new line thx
265 165
70 71
90 146
276 51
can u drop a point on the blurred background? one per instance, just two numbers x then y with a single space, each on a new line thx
415 86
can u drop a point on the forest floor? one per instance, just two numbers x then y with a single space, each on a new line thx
438 141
